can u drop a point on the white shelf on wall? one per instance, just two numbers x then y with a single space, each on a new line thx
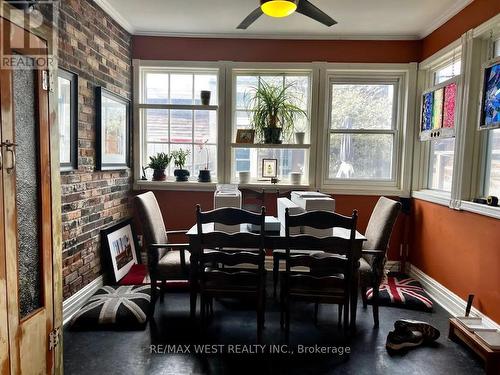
268 145
196 107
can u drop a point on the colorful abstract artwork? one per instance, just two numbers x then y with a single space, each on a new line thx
490 115
427 111
450 96
437 109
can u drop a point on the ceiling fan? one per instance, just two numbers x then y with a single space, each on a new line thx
284 8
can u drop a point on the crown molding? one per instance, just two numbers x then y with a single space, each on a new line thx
445 17
277 36
117 16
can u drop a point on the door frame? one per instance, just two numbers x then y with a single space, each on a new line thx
45 33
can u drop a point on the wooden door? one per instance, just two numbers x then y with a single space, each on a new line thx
26 178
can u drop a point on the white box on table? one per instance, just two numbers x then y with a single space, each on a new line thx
227 196
293 209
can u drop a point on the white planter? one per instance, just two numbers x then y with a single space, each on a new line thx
295 178
300 137
244 177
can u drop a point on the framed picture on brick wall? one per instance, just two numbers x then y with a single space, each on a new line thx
112 130
67 88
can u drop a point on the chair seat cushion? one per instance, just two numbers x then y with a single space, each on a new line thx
169 266
115 308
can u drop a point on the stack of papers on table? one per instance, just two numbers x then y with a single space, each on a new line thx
491 339
475 324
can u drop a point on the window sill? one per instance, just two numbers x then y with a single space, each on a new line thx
433 196
173 185
481 209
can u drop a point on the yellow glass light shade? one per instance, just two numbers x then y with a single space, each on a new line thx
278 8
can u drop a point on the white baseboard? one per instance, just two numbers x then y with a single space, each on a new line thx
446 298
76 301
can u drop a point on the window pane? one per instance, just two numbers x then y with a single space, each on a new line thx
205 126
156 125
447 72
181 126
205 82
156 88
181 91
441 164
244 88
299 90
492 183
361 156
251 160
362 106
64 119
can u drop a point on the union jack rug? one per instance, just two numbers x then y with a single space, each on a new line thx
400 290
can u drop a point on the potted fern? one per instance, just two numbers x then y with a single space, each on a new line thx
158 163
180 157
273 111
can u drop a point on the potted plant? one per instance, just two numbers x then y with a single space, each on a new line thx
273 111
300 134
204 175
158 163
180 157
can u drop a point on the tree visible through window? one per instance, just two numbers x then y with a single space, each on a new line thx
362 131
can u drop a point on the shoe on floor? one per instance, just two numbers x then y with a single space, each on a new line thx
429 332
403 338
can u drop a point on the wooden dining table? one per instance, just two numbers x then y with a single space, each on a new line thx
273 241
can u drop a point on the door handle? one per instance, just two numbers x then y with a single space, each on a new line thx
10 147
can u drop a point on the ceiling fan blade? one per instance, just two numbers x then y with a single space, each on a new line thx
251 18
307 9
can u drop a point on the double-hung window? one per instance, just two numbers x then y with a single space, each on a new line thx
442 151
172 116
291 157
363 130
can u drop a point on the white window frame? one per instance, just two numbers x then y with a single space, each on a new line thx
421 159
404 78
310 69
142 67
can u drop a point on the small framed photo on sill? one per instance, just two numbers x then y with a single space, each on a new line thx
112 130
67 89
269 168
245 135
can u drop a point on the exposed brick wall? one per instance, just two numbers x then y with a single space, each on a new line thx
95 47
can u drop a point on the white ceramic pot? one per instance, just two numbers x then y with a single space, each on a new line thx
244 177
300 137
295 178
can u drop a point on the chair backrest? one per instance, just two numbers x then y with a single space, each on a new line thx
336 243
153 226
230 216
324 269
382 220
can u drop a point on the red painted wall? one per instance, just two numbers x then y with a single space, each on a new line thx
471 16
460 250
275 50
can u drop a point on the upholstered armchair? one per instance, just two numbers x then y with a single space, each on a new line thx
378 233
166 261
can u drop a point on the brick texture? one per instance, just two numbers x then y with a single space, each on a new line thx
95 47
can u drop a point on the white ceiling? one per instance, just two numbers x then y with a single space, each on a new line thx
357 19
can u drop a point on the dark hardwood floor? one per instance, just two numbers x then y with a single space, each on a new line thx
106 352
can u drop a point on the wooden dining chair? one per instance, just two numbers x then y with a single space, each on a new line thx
327 277
238 270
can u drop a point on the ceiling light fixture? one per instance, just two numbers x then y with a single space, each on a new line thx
278 8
